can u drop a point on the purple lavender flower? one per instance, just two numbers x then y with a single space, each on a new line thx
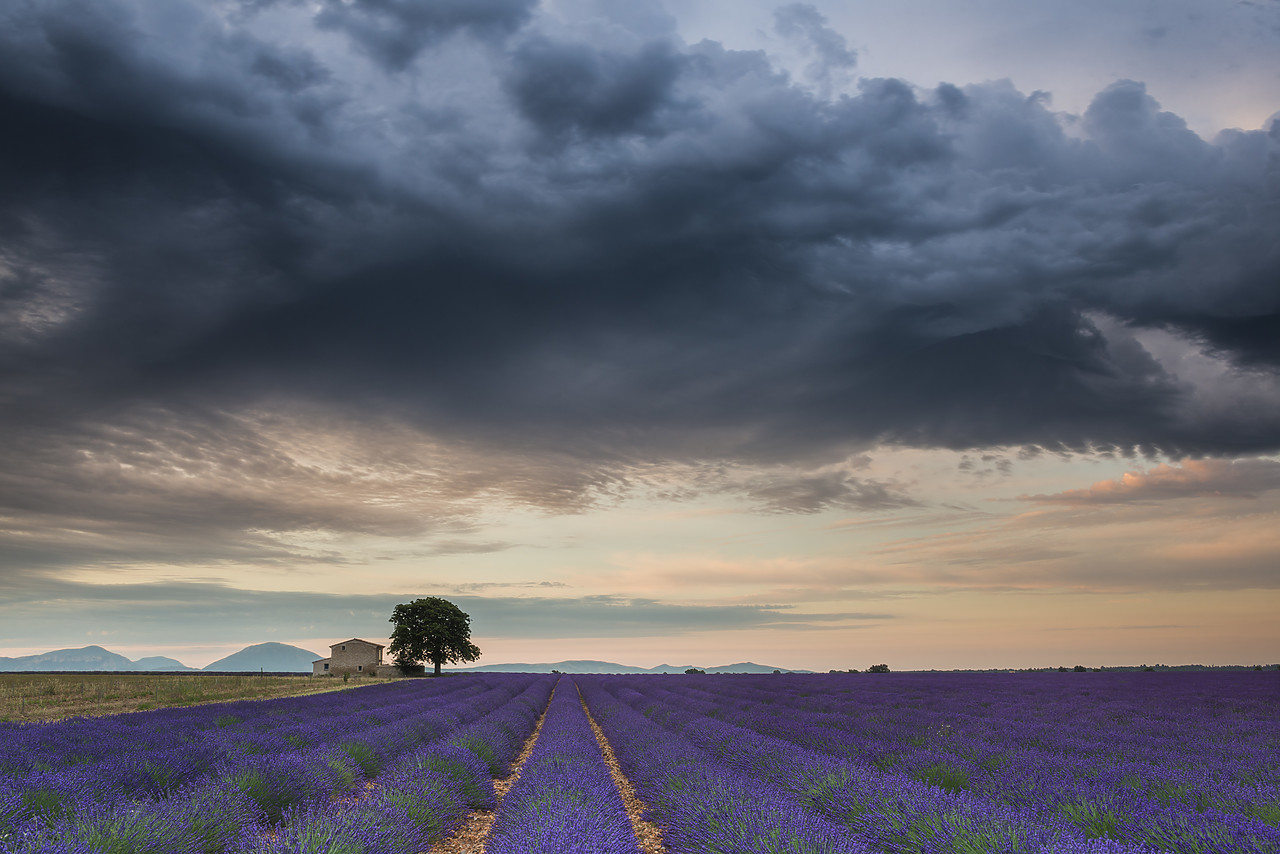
565 800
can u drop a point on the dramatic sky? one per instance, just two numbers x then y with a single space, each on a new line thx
820 335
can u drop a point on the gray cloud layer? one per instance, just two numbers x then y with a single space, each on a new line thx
204 612
582 239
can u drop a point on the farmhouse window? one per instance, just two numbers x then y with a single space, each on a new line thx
326 667
359 667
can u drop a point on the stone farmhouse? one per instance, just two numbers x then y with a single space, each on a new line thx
354 657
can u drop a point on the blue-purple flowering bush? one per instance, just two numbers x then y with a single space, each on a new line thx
565 800
1017 762
206 779
1095 763
314 830
467 771
424 795
704 804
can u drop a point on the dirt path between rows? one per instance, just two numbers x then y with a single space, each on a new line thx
470 838
648 834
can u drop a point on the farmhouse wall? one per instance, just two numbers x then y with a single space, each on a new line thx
352 657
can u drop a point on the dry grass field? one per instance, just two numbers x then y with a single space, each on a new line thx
53 696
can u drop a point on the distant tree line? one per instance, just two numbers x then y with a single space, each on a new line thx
875 668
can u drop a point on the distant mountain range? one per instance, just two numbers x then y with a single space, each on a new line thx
283 658
268 657
88 658
610 667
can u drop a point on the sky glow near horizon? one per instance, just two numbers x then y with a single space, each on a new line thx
817 335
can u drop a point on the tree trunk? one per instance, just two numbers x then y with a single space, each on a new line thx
437 664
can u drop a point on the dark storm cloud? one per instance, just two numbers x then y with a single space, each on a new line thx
577 87
394 32
600 246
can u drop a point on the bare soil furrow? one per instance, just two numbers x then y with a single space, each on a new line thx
648 834
470 837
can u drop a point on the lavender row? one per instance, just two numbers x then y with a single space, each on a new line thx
1192 726
240 797
565 801
899 812
246 725
1109 780
424 797
222 816
877 801
1197 741
703 804
417 801
354 752
882 812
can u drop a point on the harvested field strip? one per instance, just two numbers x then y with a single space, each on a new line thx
648 834
45 697
471 836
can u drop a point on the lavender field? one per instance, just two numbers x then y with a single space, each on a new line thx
1030 762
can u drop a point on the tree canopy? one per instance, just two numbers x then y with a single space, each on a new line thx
431 629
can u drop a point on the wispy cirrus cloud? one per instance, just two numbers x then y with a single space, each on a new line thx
1098 548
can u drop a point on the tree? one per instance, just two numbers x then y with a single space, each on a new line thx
431 629
878 668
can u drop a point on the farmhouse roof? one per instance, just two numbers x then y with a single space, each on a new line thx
334 646
358 640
